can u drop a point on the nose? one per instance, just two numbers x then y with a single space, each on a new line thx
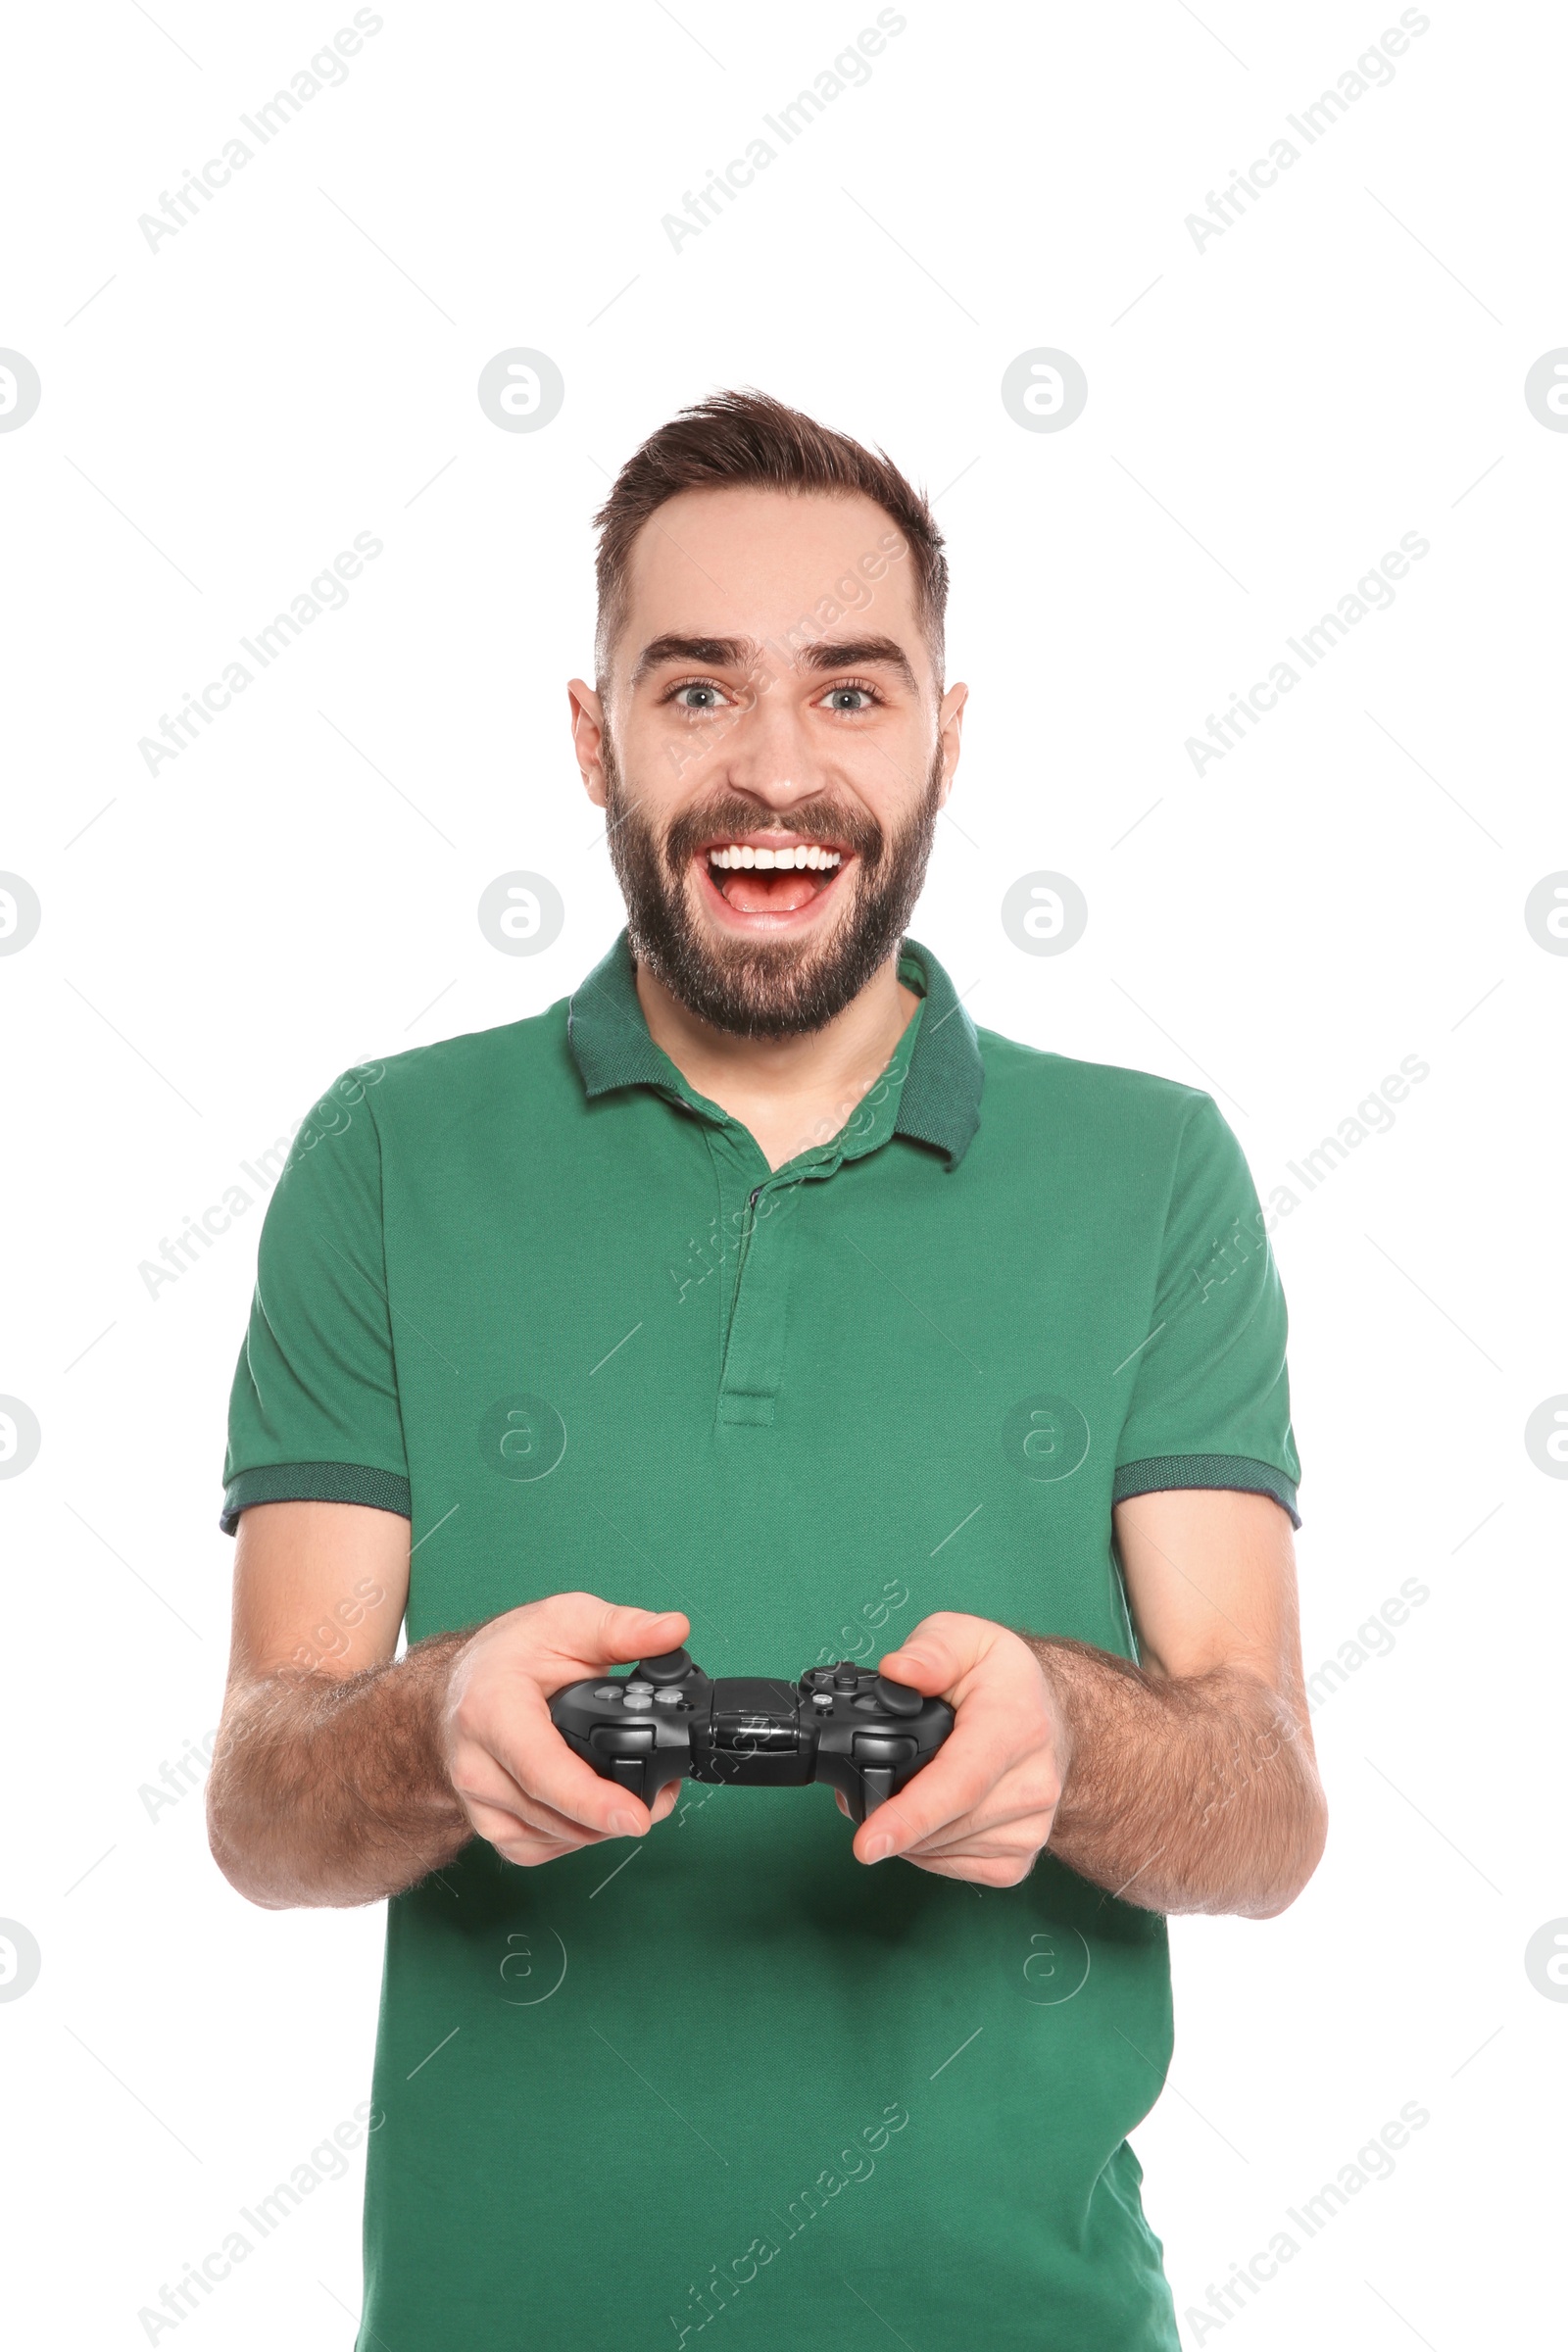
769 755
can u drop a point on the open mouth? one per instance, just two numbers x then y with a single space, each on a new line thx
773 874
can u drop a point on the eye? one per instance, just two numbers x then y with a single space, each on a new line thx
697 693
849 698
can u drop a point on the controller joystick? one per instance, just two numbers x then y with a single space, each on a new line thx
666 1721
898 1698
674 1667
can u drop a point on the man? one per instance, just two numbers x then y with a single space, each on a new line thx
752 1299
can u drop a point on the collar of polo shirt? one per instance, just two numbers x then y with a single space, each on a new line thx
939 1101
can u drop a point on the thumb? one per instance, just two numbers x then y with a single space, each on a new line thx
937 1654
626 1634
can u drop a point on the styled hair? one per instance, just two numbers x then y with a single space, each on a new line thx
736 439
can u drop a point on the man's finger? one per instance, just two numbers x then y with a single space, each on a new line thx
1022 1791
972 1836
943 1791
939 1651
503 1826
975 1873
590 1634
486 1786
533 1756
629 1632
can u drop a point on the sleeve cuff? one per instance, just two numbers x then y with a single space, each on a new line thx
1237 1471
315 1482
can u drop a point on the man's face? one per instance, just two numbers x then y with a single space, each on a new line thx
773 755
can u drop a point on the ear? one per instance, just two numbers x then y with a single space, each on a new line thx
950 728
587 736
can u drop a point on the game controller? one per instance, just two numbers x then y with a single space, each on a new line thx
666 1721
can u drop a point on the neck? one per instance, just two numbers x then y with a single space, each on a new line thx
792 1093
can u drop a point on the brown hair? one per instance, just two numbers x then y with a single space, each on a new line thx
737 438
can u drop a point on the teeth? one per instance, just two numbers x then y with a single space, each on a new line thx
817 860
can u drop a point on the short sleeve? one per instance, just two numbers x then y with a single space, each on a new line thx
314 1412
1210 1403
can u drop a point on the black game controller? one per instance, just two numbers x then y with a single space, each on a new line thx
666 1721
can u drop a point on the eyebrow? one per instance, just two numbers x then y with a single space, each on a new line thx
857 652
745 654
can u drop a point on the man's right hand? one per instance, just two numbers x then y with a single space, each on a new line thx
344 1774
518 1783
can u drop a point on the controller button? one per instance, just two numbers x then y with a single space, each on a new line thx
754 1735
674 1667
638 1699
668 1698
821 1698
622 1739
898 1698
883 1748
642 1689
876 1783
608 1690
846 1676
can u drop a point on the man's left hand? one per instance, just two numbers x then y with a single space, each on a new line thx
983 1807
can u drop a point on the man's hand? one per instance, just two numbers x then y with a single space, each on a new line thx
343 1774
518 1783
1185 1782
983 1807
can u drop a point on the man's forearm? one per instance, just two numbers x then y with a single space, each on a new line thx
1182 1793
333 1791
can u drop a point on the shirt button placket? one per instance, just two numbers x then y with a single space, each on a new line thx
754 1345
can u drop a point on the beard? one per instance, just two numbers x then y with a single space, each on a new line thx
768 988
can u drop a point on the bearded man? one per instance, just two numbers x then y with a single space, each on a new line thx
752 1299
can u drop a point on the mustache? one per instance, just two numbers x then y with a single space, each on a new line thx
818 821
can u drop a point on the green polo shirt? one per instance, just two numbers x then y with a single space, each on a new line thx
531 1291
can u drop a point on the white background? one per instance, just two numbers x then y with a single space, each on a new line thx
1343 365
